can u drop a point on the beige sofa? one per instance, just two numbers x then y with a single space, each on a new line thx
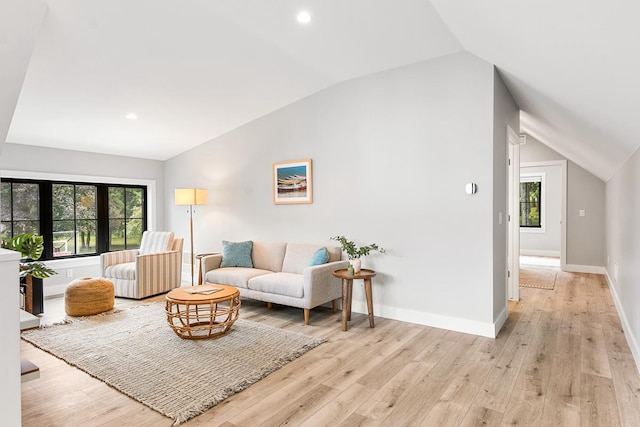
281 274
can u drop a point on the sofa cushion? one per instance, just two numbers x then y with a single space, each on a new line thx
297 257
126 270
236 254
335 253
321 256
268 255
287 284
234 276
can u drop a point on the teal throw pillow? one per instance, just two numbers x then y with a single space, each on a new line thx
236 254
321 256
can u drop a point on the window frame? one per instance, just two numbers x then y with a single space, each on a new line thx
102 238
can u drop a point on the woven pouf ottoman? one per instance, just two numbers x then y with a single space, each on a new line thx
88 295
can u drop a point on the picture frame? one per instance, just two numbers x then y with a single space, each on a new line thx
292 182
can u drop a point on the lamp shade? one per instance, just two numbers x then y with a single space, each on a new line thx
191 196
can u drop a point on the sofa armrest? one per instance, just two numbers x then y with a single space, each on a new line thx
208 263
119 257
320 284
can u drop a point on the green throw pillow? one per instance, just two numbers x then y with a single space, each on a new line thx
321 256
236 254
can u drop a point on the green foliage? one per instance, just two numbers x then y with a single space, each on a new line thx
30 247
28 244
355 252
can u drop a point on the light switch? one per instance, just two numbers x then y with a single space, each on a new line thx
581 212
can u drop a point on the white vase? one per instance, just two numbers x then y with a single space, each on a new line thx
357 264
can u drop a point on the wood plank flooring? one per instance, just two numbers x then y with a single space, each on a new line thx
561 359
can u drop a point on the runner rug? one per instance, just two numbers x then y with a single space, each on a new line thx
538 277
136 352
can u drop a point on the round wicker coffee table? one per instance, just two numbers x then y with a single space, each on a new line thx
193 314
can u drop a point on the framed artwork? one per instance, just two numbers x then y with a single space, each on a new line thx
292 182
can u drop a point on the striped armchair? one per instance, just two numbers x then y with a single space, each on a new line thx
153 269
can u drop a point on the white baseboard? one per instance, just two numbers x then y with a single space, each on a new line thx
593 269
536 252
633 343
52 291
428 319
499 323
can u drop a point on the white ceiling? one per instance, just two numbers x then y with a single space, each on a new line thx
193 70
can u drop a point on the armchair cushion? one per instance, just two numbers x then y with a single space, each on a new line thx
236 254
126 270
156 241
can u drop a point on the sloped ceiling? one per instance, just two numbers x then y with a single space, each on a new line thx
572 66
194 70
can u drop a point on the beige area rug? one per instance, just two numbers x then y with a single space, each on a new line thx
136 352
538 277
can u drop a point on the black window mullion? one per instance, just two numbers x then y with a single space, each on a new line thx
46 218
102 234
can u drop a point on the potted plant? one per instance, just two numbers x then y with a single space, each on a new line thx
32 271
356 252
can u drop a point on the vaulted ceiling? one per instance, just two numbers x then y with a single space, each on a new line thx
193 70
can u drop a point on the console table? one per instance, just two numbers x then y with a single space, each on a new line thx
347 292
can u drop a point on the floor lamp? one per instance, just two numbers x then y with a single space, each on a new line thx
191 197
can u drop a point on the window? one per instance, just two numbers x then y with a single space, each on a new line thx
75 219
530 201
126 217
20 208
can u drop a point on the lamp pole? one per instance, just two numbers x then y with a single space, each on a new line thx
191 238
191 197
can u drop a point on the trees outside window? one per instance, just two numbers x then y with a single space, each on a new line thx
20 208
530 202
75 219
126 217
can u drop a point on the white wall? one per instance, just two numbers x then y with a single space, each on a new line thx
623 247
50 163
506 113
585 235
19 25
545 241
10 403
391 153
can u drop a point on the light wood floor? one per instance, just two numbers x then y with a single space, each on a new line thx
561 359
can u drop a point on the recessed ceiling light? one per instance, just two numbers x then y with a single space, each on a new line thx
304 17
131 116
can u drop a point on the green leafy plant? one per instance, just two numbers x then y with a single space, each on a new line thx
355 252
30 247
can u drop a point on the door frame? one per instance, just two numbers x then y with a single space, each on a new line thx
513 223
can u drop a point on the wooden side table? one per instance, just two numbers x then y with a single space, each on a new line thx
347 292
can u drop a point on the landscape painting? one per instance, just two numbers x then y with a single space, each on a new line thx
292 182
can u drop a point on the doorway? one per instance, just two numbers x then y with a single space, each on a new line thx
547 238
